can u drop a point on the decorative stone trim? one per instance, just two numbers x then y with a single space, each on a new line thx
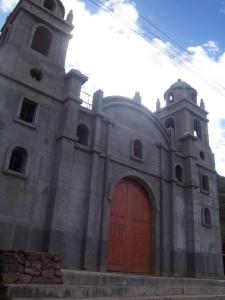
20 267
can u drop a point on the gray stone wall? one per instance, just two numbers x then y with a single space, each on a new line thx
61 204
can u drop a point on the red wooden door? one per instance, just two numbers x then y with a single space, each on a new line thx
130 229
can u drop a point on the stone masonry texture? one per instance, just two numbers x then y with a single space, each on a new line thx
61 159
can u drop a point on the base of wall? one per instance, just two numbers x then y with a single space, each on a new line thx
20 267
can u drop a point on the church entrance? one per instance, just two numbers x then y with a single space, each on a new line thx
130 229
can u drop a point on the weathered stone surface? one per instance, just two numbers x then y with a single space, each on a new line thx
49 273
25 267
8 268
9 278
60 201
58 258
57 266
32 272
6 258
24 278
58 273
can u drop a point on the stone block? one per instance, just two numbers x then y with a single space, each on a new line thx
20 258
23 267
58 258
32 272
36 266
49 273
8 268
24 278
35 257
57 266
58 273
6 258
10 278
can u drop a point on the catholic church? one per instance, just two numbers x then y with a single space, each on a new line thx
110 185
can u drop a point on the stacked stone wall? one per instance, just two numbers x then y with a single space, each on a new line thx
20 267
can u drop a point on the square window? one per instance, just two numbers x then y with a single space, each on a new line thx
28 111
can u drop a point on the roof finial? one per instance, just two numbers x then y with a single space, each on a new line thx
69 18
158 105
202 104
137 97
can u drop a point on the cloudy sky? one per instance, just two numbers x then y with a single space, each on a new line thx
123 47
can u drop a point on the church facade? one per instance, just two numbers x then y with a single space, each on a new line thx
112 186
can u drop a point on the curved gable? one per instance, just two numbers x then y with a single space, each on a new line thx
126 112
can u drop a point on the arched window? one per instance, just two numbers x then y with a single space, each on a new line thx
42 40
18 160
83 134
207 216
49 4
171 98
197 129
193 97
138 149
170 123
202 155
179 173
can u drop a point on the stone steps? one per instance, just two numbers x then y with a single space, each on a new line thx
171 297
81 291
97 278
111 286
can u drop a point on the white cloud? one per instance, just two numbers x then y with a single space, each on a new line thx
7 5
120 62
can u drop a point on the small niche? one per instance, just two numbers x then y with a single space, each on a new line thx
36 75
202 155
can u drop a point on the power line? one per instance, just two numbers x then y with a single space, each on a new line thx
176 55
216 84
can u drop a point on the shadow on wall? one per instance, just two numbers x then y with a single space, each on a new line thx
3 289
221 194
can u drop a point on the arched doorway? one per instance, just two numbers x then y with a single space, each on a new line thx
130 229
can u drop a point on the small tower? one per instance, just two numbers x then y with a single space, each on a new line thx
35 39
193 181
39 108
184 115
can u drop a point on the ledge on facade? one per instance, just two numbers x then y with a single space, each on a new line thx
30 125
63 136
76 73
16 174
188 135
82 147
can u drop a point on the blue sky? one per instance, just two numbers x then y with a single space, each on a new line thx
121 62
190 22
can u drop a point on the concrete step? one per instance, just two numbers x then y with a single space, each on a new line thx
92 285
87 291
171 297
96 278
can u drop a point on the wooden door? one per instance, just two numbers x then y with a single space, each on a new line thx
130 229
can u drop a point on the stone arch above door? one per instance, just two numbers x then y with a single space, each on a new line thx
141 179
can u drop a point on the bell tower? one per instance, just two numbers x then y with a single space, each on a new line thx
35 39
183 114
194 203
39 112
